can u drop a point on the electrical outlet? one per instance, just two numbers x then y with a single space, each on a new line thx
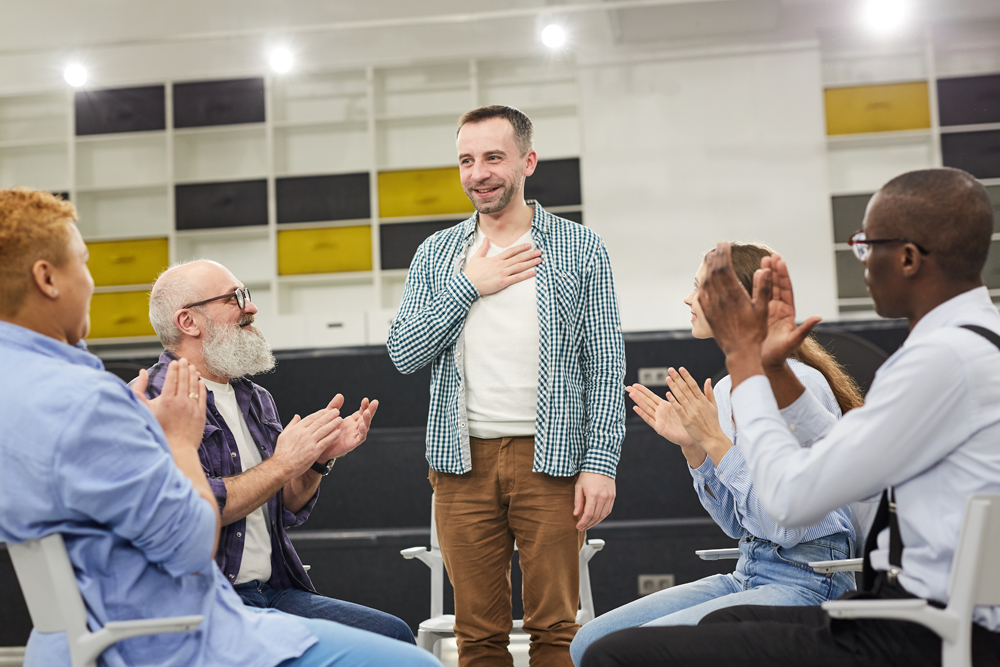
651 583
653 377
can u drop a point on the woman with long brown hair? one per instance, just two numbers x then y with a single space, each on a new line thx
773 566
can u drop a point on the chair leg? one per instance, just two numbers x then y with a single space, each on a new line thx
430 642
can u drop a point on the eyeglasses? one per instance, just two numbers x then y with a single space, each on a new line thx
861 245
242 297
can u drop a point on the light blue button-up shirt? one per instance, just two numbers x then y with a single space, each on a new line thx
734 502
83 457
930 427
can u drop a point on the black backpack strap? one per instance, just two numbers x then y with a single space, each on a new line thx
989 335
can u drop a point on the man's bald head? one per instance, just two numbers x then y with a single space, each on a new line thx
178 286
946 211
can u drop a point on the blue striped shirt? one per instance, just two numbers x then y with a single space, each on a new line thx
580 422
736 506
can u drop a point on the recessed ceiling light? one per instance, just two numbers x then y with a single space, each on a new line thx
885 16
553 36
75 75
281 60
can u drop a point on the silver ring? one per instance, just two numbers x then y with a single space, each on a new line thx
193 395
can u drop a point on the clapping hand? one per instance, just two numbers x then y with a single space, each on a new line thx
180 407
659 414
783 336
354 430
697 412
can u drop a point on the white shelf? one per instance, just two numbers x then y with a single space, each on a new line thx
119 137
867 139
980 127
322 224
110 189
32 143
110 289
346 277
218 129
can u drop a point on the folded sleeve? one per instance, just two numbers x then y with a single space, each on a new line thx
113 466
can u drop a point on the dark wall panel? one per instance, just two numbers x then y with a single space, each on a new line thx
120 110
555 183
210 205
969 100
202 103
848 214
976 152
322 198
575 216
399 242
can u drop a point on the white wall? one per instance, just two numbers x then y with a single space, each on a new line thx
682 152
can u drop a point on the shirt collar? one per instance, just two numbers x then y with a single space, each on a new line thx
538 221
954 311
32 341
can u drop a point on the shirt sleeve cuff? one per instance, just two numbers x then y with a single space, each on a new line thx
601 462
705 471
219 490
292 519
732 463
808 419
462 290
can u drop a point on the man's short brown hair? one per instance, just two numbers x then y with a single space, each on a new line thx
34 225
524 131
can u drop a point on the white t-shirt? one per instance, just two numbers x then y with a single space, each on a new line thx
256 562
501 356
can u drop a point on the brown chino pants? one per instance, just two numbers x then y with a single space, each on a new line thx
479 515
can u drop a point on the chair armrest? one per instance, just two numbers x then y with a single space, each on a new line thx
413 552
843 565
94 644
595 544
946 624
718 554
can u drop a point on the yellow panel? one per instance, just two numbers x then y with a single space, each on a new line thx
421 192
898 106
136 262
325 250
118 314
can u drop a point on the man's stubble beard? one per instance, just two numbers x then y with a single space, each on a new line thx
233 351
507 195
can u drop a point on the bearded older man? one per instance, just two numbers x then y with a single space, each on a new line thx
264 478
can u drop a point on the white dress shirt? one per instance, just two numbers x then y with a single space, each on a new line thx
930 427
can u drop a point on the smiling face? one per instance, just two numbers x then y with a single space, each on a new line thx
699 325
491 165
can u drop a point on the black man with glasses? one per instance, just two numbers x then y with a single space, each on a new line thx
925 439
265 478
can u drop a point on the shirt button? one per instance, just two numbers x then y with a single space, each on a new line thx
791 427
234 454
458 354
231 577
462 424
239 534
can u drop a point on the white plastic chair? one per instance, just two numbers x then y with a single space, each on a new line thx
442 626
54 603
975 580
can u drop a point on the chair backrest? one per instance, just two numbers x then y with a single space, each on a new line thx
49 585
975 579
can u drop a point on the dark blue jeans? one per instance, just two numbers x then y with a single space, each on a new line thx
310 605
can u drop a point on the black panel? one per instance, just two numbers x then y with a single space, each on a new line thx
575 216
850 276
399 242
991 272
969 100
976 152
848 214
322 198
994 192
555 183
208 205
62 195
15 623
202 103
120 110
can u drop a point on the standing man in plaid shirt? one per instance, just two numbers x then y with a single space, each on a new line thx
515 310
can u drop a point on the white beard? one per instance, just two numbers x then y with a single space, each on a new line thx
233 352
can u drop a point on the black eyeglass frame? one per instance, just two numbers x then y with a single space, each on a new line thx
242 296
859 247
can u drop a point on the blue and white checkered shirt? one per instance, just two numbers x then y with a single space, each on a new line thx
580 422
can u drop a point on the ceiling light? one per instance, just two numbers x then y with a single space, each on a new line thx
281 60
553 36
75 75
885 16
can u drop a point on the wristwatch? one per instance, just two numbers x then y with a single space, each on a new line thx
324 468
